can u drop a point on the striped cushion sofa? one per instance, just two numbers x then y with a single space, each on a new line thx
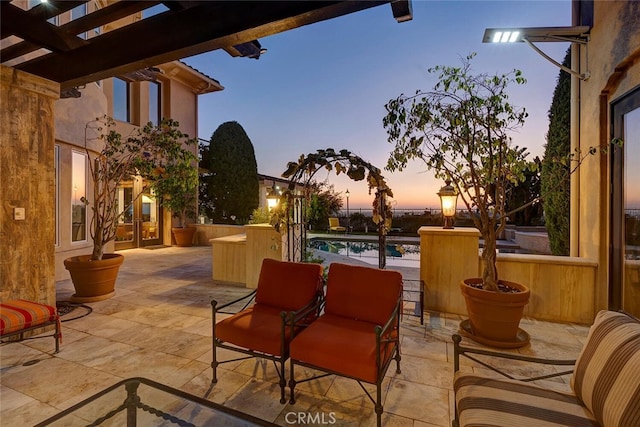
605 381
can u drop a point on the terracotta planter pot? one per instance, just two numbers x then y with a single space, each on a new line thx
494 317
183 236
93 280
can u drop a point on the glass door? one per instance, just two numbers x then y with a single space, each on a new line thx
624 280
141 224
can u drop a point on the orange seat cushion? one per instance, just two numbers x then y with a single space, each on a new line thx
288 285
16 315
341 345
362 293
257 328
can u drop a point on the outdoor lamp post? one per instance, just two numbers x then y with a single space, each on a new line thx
448 203
348 218
272 197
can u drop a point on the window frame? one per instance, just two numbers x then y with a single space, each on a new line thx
72 196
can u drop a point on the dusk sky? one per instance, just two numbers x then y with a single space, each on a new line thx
325 85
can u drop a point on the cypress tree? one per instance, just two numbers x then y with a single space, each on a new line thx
555 181
229 186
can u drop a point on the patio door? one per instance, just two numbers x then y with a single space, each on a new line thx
624 274
142 222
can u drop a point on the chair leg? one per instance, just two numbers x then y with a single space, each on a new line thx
214 359
283 381
214 364
292 383
57 337
379 407
398 357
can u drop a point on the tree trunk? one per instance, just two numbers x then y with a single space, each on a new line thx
489 270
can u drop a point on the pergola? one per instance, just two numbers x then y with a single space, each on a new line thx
187 28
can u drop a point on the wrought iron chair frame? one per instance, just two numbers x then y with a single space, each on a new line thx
380 331
291 319
460 350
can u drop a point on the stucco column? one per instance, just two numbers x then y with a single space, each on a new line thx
446 258
27 183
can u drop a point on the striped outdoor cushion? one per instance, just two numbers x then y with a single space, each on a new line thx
607 373
483 401
16 315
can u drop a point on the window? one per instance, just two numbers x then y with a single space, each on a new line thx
624 270
78 12
78 191
154 102
33 3
121 94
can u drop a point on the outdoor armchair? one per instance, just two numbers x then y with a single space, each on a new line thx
605 383
357 336
286 299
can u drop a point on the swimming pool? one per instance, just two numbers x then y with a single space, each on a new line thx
403 255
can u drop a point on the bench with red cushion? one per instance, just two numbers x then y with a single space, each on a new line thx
20 316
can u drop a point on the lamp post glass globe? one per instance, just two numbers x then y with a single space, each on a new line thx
448 203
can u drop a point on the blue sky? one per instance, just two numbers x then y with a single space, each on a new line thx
326 84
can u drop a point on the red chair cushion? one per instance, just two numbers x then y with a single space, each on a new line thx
16 315
362 293
288 285
256 328
341 345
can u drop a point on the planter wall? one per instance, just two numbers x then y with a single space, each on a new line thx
563 288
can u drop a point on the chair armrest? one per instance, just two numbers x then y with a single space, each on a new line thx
298 318
461 350
382 330
250 296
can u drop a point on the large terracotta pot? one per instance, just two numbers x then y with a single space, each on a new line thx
183 236
494 317
93 280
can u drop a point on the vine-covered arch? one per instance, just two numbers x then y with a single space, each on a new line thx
357 169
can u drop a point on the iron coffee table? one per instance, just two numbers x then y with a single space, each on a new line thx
142 402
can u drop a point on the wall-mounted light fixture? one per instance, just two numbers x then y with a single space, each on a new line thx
448 202
533 35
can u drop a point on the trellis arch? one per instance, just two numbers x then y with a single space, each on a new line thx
356 168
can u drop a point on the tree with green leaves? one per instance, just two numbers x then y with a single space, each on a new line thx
324 202
461 130
229 186
554 183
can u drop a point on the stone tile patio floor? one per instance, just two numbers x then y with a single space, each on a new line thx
158 326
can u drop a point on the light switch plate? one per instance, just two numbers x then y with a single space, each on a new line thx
19 214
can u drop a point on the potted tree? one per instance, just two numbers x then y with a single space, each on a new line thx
146 154
460 130
177 187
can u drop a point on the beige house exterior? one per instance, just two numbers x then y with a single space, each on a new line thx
179 86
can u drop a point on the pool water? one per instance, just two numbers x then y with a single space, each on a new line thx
406 255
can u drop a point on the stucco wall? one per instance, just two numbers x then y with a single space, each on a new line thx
26 180
71 118
614 65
